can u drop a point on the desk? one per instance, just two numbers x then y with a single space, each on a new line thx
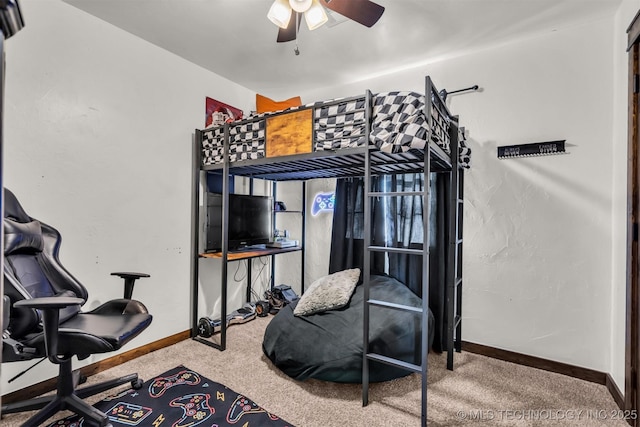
253 253
249 255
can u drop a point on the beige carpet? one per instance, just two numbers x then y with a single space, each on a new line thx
480 391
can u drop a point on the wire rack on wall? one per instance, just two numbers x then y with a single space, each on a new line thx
532 149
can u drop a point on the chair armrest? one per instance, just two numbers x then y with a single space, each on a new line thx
130 275
50 307
129 280
45 303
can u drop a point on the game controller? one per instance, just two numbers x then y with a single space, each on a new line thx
128 413
160 385
207 326
240 407
195 407
323 202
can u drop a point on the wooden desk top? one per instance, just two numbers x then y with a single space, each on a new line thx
254 253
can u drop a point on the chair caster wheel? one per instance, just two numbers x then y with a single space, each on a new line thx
137 384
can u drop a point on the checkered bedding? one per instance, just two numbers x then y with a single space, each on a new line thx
246 142
398 125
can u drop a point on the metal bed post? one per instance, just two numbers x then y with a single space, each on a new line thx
195 229
454 275
249 260
303 232
274 192
426 210
366 264
225 238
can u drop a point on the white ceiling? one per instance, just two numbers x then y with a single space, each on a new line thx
234 38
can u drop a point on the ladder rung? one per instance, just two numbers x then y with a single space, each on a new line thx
458 281
457 321
396 193
460 201
394 362
395 306
458 241
396 250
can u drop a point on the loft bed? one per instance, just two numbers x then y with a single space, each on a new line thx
362 136
394 122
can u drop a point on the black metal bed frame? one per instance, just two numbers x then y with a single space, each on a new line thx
364 161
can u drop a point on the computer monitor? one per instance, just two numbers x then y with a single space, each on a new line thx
250 221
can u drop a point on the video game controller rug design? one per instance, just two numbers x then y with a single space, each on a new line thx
179 397
162 384
242 406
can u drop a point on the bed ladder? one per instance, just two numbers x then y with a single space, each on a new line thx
453 294
422 311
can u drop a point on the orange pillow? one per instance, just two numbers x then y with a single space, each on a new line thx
266 105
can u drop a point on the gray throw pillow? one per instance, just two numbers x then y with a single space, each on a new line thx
328 293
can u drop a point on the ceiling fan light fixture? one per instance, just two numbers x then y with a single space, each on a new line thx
280 13
315 15
300 6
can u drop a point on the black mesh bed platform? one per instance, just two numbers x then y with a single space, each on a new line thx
342 163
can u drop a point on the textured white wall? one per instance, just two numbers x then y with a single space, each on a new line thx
538 243
98 143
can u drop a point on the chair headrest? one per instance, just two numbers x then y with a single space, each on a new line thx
22 233
13 208
25 237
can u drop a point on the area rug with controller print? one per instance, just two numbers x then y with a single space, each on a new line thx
180 398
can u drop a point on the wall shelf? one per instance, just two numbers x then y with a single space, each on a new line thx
532 149
253 253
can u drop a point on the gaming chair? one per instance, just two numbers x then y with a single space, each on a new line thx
42 317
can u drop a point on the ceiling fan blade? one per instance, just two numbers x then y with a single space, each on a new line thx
364 12
288 34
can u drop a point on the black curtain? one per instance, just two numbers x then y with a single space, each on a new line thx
397 222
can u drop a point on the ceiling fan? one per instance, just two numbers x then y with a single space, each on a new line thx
287 14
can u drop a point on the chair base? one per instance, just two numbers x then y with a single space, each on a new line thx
73 403
68 398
